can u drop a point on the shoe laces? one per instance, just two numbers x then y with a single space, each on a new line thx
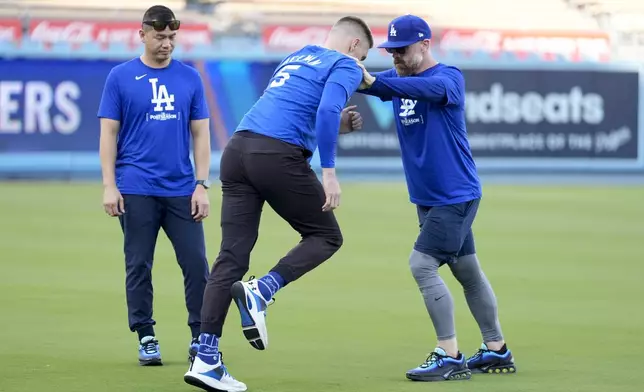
268 303
150 347
478 354
433 358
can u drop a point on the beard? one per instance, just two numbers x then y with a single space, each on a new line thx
406 68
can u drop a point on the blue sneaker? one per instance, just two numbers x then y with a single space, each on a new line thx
149 354
252 308
440 367
193 349
213 377
488 361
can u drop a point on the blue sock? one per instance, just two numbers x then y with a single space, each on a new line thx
270 284
208 348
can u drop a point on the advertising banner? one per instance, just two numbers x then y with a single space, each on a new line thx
572 45
78 32
527 114
553 114
289 38
50 105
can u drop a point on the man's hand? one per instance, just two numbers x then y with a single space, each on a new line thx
350 120
367 78
331 189
113 201
200 204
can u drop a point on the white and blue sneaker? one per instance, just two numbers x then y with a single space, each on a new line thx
213 378
149 354
440 367
252 308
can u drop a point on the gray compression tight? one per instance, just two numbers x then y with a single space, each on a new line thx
440 304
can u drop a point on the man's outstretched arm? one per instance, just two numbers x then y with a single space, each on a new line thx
368 90
445 88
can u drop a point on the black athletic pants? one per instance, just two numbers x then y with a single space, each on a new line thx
256 169
144 217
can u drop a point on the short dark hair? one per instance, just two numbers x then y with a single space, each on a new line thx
354 20
158 12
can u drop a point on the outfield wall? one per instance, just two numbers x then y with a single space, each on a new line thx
522 115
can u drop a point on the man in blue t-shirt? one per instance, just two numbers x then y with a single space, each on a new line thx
267 161
150 108
429 106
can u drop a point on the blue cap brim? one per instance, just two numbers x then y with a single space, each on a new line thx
395 44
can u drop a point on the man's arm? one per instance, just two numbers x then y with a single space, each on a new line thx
327 123
200 130
109 112
445 88
375 93
341 84
107 150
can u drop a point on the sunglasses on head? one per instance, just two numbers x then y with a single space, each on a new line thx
158 25
400 51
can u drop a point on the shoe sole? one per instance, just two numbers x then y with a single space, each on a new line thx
151 362
197 382
500 369
454 376
251 331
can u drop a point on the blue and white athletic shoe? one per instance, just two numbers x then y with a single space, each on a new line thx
252 309
149 354
213 378
491 362
193 349
440 367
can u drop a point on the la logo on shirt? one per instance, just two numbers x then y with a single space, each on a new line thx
163 102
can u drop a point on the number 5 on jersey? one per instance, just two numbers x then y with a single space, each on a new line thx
283 75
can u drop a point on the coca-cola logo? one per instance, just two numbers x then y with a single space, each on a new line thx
285 37
75 32
79 32
289 37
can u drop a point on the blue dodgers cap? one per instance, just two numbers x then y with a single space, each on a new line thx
406 30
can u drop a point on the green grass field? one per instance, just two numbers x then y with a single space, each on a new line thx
567 265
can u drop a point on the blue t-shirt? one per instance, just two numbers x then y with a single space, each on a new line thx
430 122
154 107
304 99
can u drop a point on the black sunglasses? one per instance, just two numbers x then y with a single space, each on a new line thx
158 25
400 51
